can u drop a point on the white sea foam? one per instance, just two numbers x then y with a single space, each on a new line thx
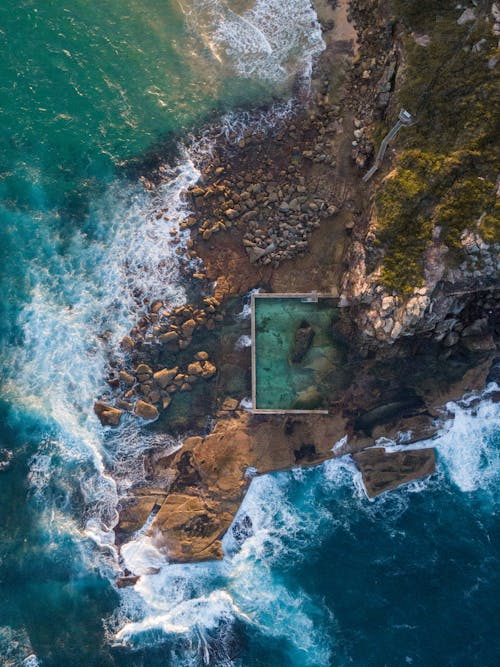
189 601
96 286
246 311
468 445
243 342
268 40
246 403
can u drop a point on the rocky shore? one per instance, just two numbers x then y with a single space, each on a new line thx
284 208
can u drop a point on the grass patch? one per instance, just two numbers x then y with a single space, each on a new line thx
447 170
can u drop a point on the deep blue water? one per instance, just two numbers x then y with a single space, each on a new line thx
328 578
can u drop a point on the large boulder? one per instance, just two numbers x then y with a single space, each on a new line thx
127 378
165 376
145 410
195 368
302 341
188 327
169 337
108 415
383 471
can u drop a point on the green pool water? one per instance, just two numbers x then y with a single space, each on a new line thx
280 383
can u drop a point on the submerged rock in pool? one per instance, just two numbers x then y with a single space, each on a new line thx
302 341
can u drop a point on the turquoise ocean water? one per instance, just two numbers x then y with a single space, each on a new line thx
327 578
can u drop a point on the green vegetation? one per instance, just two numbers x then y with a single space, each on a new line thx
447 170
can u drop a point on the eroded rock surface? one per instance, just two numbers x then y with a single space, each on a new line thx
383 471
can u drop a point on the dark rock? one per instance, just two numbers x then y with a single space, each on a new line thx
477 328
479 343
302 341
383 471
130 580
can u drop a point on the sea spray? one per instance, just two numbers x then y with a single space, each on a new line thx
270 40
287 518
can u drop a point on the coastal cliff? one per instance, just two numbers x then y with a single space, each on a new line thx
411 255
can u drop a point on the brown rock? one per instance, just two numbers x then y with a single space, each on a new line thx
144 369
125 405
145 410
188 327
127 343
129 580
195 368
201 356
169 337
127 378
165 376
108 415
209 370
230 404
231 213
383 471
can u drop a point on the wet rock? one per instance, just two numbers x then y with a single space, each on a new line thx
302 341
127 343
108 415
124 405
5 459
383 471
477 328
451 339
129 580
479 343
143 372
145 410
127 378
201 356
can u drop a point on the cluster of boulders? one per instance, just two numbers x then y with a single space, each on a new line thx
171 329
362 146
146 386
145 392
265 190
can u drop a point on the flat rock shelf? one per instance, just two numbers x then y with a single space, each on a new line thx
295 354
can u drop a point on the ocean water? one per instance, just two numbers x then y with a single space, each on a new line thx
91 91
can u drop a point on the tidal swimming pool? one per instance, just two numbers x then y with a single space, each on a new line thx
295 355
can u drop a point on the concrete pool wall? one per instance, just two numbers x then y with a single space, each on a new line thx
276 381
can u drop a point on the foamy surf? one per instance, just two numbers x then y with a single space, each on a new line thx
189 602
96 287
268 40
283 517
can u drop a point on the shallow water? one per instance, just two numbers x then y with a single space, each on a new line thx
85 89
282 383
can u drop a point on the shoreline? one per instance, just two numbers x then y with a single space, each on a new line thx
250 193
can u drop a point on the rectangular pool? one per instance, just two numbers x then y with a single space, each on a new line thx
294 354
